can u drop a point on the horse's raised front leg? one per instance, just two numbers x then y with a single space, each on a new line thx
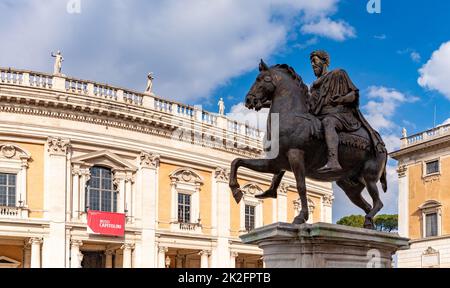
259 165
297 162
273 190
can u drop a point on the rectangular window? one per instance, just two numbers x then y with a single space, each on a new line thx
432 167
432 225
8 190
184 208
249 217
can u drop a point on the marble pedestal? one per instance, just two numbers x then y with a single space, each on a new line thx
325 246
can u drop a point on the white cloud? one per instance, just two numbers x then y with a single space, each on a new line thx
325 27
434 75
415 56
255 119
384 101
192 46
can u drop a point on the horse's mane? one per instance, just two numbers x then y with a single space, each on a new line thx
290 71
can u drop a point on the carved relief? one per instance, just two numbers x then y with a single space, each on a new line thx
186 175
252 189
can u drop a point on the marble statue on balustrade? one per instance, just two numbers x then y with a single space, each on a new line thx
58 63
150 78
404 133
221 107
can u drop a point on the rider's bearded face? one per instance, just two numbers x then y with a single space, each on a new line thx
317 66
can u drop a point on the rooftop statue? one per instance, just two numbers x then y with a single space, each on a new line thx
322 135
150 79
58 62
221 107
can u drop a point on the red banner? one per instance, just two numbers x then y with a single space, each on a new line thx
105 223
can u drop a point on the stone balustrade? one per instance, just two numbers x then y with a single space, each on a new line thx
10 212
236 131
426 136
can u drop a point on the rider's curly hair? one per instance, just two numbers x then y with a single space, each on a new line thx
323 55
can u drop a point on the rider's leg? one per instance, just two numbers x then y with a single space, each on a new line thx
331 125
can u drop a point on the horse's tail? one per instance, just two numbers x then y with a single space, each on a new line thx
382 159
383 180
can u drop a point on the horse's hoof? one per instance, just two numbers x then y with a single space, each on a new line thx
237 195
267 194
368 224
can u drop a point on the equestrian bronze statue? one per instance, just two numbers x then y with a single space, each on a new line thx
321 135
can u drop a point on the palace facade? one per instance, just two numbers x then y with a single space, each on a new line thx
71 149
424 198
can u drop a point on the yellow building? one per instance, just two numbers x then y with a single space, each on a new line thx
424 199
70 146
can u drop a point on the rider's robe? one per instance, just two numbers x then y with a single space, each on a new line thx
337 82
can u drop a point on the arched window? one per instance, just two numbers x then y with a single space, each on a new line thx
101 193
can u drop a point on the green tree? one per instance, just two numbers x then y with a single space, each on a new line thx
385 223
352 221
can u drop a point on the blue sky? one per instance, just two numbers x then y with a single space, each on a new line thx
202 50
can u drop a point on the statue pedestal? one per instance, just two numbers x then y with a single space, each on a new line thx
324 246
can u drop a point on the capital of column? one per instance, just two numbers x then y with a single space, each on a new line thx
127 246
328 200
221 175
58 146
76 243
234 254
163 249
284 188
110 252
402 169
204 253
36 241
149 160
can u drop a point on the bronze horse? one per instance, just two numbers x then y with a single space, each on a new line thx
302 150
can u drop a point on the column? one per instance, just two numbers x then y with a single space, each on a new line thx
162 256
36 252
128 196
55 189
76 207
27 255
147 208
221 218
127 252
75 254
403 201
109 258
282 203
233 256
327 205
204 258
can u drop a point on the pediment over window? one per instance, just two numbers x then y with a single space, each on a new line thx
12 151
430 204
252 189
186 175
6 262
104 158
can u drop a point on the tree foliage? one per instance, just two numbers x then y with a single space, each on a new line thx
385 223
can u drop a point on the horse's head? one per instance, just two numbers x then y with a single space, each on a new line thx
260 95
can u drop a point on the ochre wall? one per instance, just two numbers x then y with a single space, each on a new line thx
420 191
165 196
35 178
13 252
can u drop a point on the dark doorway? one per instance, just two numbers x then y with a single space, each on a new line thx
93 260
